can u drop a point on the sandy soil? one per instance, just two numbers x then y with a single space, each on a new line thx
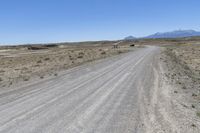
162 96
189 56
183 85
110 96
25 63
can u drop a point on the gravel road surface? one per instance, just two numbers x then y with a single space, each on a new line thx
105 96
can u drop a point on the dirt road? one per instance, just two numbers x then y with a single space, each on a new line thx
117 94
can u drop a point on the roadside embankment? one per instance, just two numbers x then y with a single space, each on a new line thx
183 71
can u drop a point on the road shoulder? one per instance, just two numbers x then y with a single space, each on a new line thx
183 90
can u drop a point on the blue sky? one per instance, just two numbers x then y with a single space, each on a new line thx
35 21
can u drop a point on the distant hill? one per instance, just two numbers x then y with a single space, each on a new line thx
175 34
130 38
172 34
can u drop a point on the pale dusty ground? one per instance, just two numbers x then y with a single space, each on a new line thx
189 55
146 90
129 93
182 72
21 64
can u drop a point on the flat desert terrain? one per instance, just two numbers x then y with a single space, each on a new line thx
153 87
36 62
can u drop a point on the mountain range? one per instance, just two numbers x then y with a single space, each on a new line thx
173 34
